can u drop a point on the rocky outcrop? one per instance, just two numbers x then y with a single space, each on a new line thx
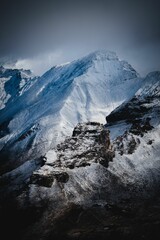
126 144
90 143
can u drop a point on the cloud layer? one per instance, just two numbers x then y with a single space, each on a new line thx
42 33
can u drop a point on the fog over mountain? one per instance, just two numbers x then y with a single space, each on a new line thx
42 33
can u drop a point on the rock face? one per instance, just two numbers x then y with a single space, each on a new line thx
90 143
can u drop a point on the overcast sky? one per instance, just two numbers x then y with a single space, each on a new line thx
42 33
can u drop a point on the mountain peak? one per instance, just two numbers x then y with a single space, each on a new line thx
101 55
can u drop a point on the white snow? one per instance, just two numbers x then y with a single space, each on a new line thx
4 97
84 90
140 166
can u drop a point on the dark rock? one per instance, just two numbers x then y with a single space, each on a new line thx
132 146
104 138
4 130
62 177
150 142
42 180
106 157
28 132
83 164
89 127
126 143
141 126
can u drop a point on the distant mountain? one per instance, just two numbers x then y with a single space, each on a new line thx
13 83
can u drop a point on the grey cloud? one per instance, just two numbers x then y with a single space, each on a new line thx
131 28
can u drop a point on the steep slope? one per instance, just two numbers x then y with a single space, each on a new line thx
137 165
139 123
144 104
89 178
83 90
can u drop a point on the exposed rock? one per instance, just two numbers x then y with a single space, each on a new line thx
90 143
62 177
141 126
150 142
89 127
104 138
126 143
29 132
42 180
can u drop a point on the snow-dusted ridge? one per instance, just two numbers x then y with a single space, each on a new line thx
88 170
84 90
99 166
92 169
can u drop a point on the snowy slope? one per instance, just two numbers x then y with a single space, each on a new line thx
13 83
145 103
88 168
42 116
83 90
140 116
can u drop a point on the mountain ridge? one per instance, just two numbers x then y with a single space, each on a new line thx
84 90
106 171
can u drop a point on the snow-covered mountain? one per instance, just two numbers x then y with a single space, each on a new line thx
42 111
100 168
90 157
111 181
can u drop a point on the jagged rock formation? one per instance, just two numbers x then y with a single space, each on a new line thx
89 144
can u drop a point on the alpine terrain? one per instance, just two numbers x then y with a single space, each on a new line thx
37 113
80 151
